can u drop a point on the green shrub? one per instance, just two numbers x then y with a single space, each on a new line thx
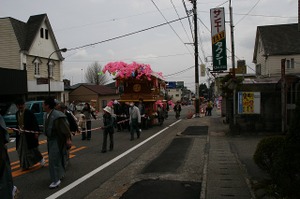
267 151
286 170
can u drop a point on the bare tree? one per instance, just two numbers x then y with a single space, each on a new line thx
94 74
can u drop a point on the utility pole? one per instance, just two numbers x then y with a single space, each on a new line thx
197 102
283 97
233 60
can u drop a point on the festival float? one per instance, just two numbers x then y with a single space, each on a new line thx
137 81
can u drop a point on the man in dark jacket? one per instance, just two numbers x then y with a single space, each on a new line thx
70 117
28 134
108 129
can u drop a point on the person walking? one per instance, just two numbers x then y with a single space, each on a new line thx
7 188
81 123
209 107
134 120
89 113
108 129
160 114
28 143
118 113
72 120
177 110
142 109
72 107
58 141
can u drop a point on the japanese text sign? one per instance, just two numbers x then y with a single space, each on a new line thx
218 38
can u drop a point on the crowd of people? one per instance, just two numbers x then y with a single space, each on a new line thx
60 123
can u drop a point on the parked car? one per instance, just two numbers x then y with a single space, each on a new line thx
10 116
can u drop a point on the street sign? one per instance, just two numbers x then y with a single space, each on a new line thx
218 38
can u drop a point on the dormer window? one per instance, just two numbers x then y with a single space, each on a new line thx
44 33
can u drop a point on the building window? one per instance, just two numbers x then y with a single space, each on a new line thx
258 69
42 32
51 68
292 63
104 103
36 63
36 68
46 34
288 63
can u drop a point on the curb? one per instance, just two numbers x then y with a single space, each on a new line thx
204 177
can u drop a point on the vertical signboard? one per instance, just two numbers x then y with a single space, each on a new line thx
249 102
218 38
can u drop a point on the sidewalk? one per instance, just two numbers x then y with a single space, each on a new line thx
211 164
228 161
225 176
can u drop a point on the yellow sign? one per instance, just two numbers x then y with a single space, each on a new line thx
218 37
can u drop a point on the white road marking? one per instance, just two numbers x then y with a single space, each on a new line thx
95 171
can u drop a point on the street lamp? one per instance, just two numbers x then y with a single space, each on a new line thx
48 64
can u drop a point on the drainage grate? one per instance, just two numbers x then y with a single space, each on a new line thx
196 130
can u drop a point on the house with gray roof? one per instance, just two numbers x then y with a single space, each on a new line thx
31 47
277 58
97 95
273 43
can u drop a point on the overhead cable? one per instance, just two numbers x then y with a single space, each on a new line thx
171 27
180 21
126 35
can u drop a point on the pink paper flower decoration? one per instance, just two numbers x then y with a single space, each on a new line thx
123 70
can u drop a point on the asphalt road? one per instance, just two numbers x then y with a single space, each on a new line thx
89 168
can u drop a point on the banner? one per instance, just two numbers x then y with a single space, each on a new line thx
218 38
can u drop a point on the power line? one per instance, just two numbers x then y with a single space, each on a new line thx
171 26
150 57
180 21
125 35
187 14
248 12
179 72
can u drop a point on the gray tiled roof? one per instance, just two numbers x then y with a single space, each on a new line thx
26 32
20 31
283 39
33 27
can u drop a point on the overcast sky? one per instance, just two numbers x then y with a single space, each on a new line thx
77 23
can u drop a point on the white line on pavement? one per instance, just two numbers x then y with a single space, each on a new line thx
95 171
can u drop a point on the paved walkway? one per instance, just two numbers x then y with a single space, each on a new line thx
224 175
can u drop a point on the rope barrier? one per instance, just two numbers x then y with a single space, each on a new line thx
39 132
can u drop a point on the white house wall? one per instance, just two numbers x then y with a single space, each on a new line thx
42 47
271 64
275 64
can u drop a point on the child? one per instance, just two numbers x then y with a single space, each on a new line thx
82 125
